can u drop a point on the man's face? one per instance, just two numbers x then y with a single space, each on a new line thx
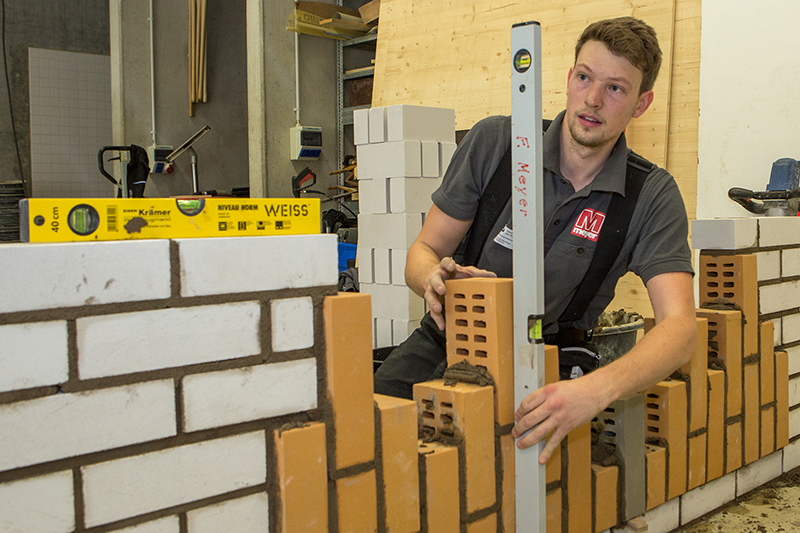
602 96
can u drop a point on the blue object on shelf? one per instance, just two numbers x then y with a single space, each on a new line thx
346 251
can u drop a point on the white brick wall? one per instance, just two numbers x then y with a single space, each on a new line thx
147 340
398 159
382 332
373 196
360 126
377 125
243 515
401 329
756 474
446 151
394 302
707 497
412 195
794 391
76 274
262 263
395 230
778 231
136 485
794 359
420 123
769 265
292 323
365 264
794 423
38 505
790 327
775 298
430 159
231 396
170 524
791 456
382 266
65 425
33 355
399 266
790 262
663 518
724 234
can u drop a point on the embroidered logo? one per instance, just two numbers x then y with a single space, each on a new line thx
588 224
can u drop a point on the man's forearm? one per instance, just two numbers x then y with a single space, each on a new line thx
420 262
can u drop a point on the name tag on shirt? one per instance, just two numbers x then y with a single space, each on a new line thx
505 238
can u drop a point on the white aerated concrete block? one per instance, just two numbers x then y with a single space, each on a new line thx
394 230
377 125
229 397
243 515
245 264
382 266
399 159
373 196
128 487
412 195
790 328
365 264
756 474
360 126
780 297
66 425
401 329
33 355
707 497
778 231
420 123
383 332
663 518
791 456
794 391
148 340
83 273
169 524
399 267
394 302
794 359
430 159
42 504
794 423
790 262
292 323
446 151
724 234
769 265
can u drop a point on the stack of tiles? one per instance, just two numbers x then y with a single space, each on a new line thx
402 153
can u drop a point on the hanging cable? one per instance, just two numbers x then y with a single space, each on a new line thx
10 104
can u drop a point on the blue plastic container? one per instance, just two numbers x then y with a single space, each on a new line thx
346 251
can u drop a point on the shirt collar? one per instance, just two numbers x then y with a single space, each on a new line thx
611 177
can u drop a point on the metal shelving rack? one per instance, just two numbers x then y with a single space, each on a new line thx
345 114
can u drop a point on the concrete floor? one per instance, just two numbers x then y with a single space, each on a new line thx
771 508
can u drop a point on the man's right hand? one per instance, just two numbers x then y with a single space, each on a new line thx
435 287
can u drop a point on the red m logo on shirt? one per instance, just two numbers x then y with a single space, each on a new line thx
588 224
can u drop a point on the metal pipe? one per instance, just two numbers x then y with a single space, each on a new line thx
296 75
152 76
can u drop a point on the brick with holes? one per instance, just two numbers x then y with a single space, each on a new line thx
725 343
751 420
463 414
698 383
656 461
479 315
732 280
665 422
715 463
439 478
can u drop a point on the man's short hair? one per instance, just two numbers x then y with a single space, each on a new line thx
630 38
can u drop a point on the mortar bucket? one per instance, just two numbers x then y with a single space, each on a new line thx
615 341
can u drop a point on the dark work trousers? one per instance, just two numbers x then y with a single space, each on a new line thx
419 358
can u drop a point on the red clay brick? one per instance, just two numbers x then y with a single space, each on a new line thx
484 525
725 342
480 328
348 355
767 431
656 464
767 361
440 464
466 412
697 461
508 507
665 418
716 425
751 422
357 503
302 479
733 444
604 490
781 399
579 478
553 504
399 459
696 369
733 279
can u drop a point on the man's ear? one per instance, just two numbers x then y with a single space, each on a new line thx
645 99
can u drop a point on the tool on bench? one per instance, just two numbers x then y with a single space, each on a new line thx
134 175
782 197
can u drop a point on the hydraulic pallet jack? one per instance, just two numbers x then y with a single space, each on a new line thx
528 257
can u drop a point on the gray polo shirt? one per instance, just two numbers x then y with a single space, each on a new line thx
657 236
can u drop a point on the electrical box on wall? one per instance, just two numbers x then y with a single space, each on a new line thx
157 155
305 142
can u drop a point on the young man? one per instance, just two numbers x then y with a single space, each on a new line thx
585 163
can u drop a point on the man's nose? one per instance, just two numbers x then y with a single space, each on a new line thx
594 95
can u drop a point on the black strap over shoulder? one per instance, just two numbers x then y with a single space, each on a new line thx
610 241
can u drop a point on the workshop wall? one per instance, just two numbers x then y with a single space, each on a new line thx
75 26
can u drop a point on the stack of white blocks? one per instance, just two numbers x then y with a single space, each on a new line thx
402 153
140 380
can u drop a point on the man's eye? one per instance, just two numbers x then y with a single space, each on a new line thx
583 77
616 88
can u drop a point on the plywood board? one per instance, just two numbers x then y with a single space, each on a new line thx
456 54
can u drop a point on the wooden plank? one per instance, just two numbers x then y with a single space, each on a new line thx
370 11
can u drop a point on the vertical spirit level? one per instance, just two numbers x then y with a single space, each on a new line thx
528 259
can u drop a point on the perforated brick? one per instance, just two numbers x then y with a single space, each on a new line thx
553 505
767 362
479 316
696 369
751 420
463 412
508 462
716 425
656 461
665 410
604 491
767 431
697 461
302 479
725 342
733 279
733 455
357 503
439 476
579 477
